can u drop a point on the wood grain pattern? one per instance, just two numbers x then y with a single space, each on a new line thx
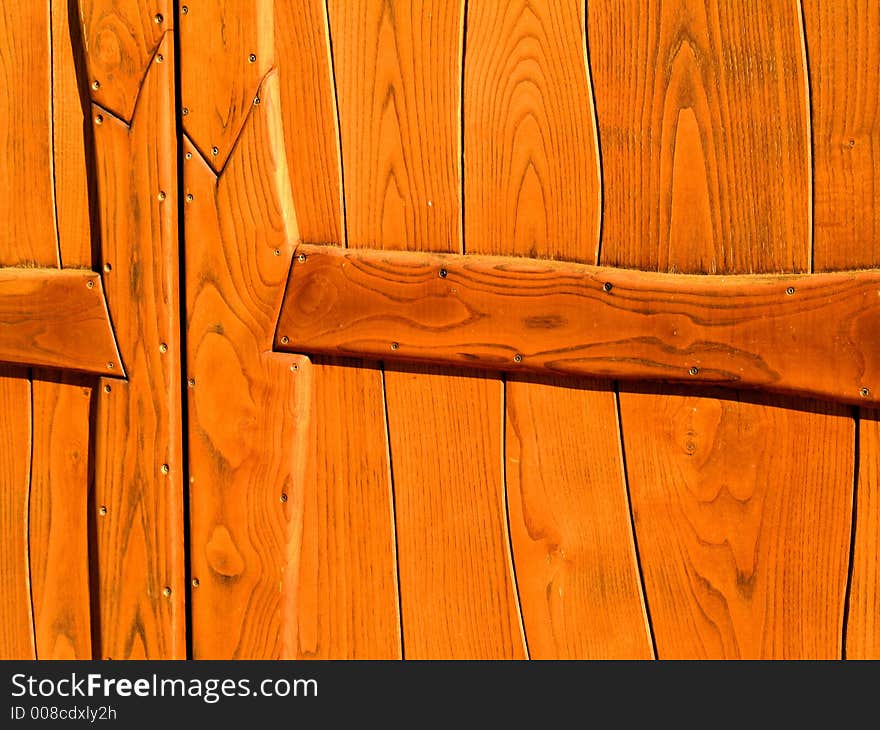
27 207
541 316
234 38
16 618
576 566
706 152
398 82
138 464
348 605
248 407
457 594
532 183
843 45
56 318
58 521
738 509
308 105
704 133
71 137
121 39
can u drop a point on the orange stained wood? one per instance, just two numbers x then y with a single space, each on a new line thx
71 138
707 170
138 464
27 206
217 104
56 318
398 81
808 333
844 43
16 614
121 39
58 516
844 48
249 408
308 106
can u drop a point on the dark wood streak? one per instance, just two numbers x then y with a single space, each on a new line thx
803 333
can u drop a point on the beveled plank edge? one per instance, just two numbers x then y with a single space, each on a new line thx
104 357
684 291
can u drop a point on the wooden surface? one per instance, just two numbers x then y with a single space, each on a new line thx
26 137
843 43
533 316
249 408
398 83
532 183
58 319
58 516
308 108
706 165
16 615
139 543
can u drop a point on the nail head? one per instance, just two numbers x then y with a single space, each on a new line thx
694 370
285 339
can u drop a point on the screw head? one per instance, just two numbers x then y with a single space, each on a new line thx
161 195
283 496
790 290
107 388
195 582
184 111
108 267
694 370
99 119
163 347
102 510
607 286
90 284
395 345
285 339
252 58
443 273
277 252
301 258
191 382
157 18
189 155
159 58
96 84
189 198
256 100
166 591
517 358
215 151
164 468
110 366
865 392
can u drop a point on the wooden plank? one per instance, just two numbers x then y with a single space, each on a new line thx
58 523
308 106
398 82
58 319
843 43
707 168
27 207
809 333
71 138
138 464
120 39
249 408
532 183
216 105
16 617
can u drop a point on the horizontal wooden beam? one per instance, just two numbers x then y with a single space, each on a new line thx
814 334
56 318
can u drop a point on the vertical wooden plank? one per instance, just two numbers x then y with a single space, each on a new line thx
71 138
348 604
58 534
705 142
27 208
843 46
532 188
16 618
308 106
398 80
138 465
249 408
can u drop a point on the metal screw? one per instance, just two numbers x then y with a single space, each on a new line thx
99 119
256 100
157 18
110 366
395 345
161 195
159 58
283 496
184 111
790 290
301 258
195 582
90 284
277 252
96 84
184 10
442 273
517 358
108 267
107 388
191 382
694 370
294 368
607 286
864 392
102 510
164 468
215 151
163 347
852 143
166 591
189 155
252 58
189 197
284 339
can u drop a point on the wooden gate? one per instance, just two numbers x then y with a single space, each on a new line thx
439 329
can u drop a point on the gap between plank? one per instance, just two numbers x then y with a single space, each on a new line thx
852 537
